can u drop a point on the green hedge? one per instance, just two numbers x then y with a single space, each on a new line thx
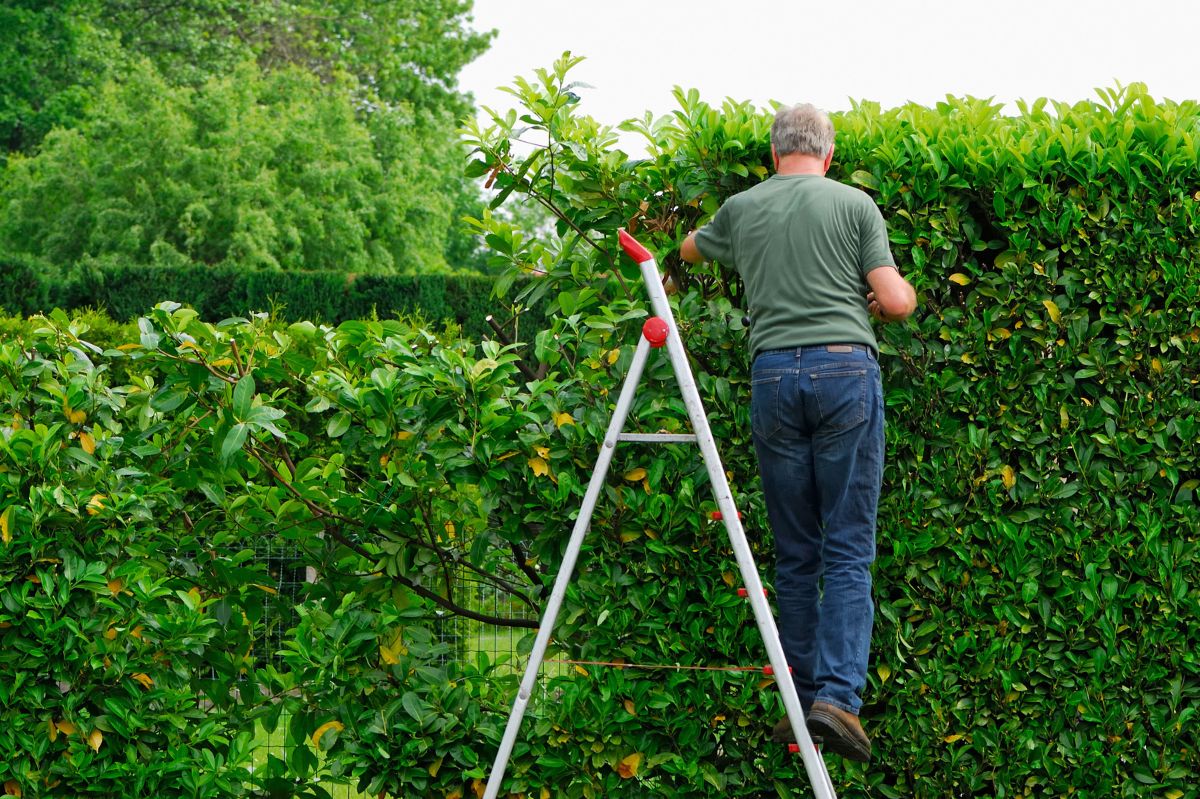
1038 572
126 292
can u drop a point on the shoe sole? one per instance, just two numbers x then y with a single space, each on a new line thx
789 738
838 738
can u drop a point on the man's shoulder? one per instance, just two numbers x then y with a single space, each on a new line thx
846 192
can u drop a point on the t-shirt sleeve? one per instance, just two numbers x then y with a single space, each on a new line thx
715 240
873 248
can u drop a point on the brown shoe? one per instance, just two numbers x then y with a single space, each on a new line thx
841 730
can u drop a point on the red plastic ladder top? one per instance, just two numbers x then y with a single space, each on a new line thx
633 248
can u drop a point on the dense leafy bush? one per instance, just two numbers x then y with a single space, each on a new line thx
1037 574
1038 561
124 292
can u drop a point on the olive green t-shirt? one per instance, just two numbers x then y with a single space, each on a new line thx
803 245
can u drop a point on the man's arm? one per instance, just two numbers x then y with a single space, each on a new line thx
892 298
689 252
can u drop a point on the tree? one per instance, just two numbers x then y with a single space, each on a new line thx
393 64
252 170
50 57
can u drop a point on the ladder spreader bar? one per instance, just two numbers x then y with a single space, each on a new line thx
657 437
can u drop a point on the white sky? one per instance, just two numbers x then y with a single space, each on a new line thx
890 51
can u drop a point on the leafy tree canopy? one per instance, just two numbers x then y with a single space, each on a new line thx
313 134
250 170
54 54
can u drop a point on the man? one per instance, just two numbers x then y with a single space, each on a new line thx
815 260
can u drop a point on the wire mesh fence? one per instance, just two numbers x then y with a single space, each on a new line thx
464 638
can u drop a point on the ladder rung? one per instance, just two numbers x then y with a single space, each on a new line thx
656 437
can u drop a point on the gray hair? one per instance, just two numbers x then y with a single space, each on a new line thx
802 129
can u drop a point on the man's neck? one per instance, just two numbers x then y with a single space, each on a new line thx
797 164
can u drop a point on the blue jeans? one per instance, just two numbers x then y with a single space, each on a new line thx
818 429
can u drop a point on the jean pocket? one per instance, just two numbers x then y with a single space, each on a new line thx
764 405
841 398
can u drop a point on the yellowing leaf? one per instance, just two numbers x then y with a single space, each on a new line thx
563 418
479 787
728 578
1156 365
128 347
540 467
53 733
960 279
1064 419
73 416
144 679
545 793
581 671
449 528
223 362
1003 332
390 653
5 535
1008 476
136 632
543 452
12 788
96 504
884 671
630 708
630 535
1052 309
88 443
952 738
629 766
403 435
612 356
95 739
1174 793
116 585
633 475
324 728
66 727
435 767
455 794
384 458
110 634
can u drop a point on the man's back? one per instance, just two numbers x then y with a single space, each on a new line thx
803 245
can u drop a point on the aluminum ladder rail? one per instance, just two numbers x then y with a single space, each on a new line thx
662 326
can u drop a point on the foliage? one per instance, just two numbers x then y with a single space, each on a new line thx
249 171
124 292
1037 571
399 52
49 57
1036 579
122 625
316 134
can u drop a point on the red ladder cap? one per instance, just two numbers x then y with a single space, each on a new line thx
633 248
656 330
745 592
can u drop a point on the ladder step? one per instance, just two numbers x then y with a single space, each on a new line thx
682 437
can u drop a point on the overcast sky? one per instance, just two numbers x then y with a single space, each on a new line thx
890 51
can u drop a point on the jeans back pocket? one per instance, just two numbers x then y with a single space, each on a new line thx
764 405
841 398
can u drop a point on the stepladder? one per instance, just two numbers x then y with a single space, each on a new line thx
660 332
